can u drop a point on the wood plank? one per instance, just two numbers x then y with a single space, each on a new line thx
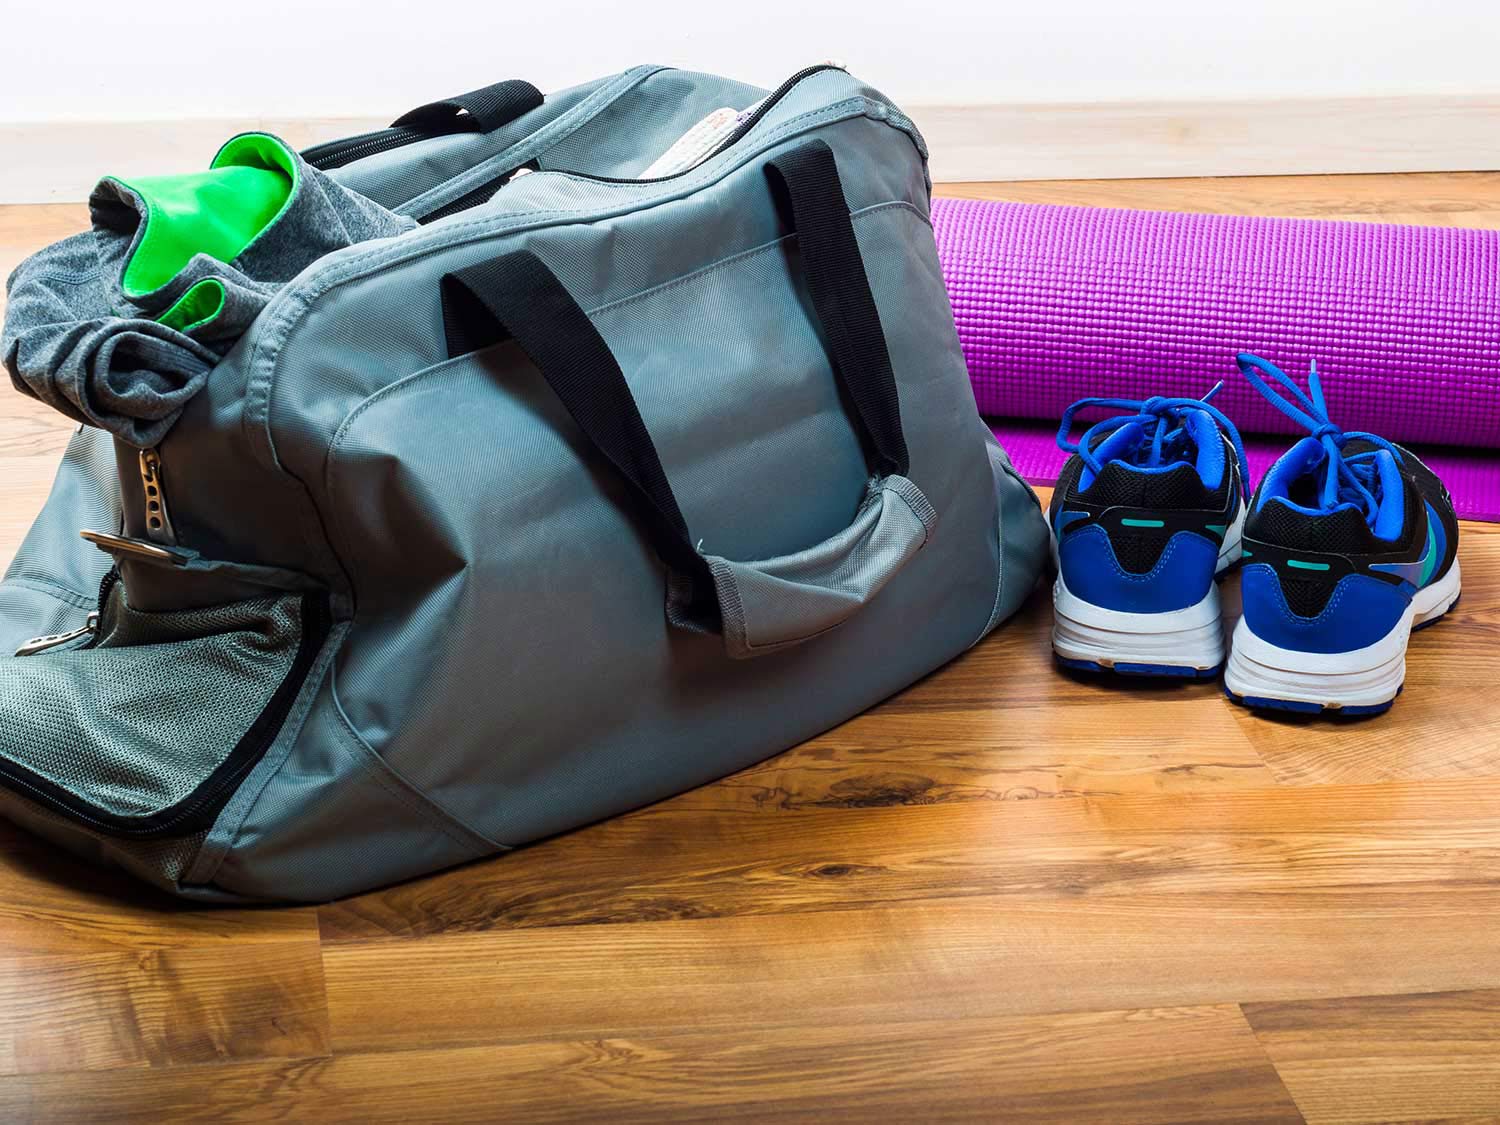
1387 1058
669 863
101 1011
1039 734
1444 725
51 902
943 959
1184 1064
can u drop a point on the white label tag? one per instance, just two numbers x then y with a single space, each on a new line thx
698 142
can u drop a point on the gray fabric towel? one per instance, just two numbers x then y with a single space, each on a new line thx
79 339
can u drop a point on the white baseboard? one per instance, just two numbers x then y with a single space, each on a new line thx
60 161
1262 137
53 162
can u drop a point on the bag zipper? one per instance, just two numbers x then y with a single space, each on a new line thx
89 628
201 807
346 150
484 191
476 196
159 527
766 105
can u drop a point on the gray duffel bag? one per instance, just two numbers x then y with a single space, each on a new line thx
587 490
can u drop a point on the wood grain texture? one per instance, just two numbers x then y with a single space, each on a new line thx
966 957
1387 1058
100 1011
678 862
1003 894
1193 1064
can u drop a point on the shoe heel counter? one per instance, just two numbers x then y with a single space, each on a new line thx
1181 577
1359 611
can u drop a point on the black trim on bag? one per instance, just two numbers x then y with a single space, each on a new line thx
479 111
201 807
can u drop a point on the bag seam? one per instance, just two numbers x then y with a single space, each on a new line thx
217 846
53 589
270 340
398 785
563 127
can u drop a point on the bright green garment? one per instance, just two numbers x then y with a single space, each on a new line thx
219 213
200 305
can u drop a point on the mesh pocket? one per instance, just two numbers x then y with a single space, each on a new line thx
140 732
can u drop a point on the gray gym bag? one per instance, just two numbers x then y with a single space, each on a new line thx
587 490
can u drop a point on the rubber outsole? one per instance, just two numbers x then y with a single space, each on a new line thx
1300 707
1143 671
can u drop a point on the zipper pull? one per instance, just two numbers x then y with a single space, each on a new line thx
158 519
54 640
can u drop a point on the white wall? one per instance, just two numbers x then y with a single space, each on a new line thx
170 59
1046 89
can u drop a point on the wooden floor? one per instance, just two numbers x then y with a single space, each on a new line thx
1005 895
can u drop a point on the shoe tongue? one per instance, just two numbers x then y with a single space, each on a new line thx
1119 445
1204 433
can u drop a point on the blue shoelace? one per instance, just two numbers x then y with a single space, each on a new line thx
1163 417
1346 480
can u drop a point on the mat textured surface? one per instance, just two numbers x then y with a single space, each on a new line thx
1054 303
1472 475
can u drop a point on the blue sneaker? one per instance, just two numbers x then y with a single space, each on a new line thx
1351 543
1145 514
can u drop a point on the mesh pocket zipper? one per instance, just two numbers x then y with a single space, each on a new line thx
193 810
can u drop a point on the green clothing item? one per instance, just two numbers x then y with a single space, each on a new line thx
119 326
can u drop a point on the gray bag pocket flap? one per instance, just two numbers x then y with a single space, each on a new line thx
776 603
143 727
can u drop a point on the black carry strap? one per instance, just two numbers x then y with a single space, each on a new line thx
806 184
518 295
479 111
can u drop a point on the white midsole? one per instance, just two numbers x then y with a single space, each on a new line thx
1182 638
1361 677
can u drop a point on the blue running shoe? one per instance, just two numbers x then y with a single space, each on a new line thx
1145 514
1351 543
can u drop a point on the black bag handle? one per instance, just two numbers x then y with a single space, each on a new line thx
479 111
805 183
517 295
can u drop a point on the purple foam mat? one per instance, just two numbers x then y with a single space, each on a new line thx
1055 303
1472 475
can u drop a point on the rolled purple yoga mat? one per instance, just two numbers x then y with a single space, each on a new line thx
1057 303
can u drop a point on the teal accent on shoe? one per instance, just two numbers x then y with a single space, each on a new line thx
1300 565
1417 573
1430 559
1218 528
1142 523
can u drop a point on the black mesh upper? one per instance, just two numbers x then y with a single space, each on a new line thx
1306 597
1343 532
1119 486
